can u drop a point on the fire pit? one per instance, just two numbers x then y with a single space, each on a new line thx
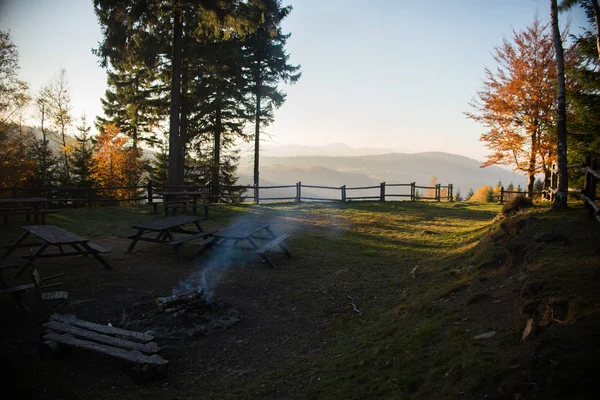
180 316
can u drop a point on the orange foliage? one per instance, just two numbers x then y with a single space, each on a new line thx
115 165
517 102
15 166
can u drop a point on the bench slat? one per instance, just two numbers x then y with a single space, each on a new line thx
98 248
188 238
149 347
112 351
140 337
272 243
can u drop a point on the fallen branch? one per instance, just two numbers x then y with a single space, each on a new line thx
354 308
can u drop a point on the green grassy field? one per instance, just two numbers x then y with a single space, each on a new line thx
402 288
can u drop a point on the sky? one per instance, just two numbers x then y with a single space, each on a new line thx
393 74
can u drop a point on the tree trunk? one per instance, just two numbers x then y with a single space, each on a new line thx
561 195
183 128
175 176
596 8
257 136
216 156
531 169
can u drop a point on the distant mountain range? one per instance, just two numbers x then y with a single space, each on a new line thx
333 149
368 170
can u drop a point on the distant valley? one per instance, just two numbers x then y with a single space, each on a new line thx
367 170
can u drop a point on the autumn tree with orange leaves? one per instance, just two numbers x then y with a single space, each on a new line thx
114 164
517 103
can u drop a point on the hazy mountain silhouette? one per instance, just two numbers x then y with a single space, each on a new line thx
463 172
333 149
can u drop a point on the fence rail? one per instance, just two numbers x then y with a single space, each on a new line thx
91 196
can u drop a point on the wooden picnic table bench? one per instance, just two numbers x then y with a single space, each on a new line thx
27 206
165 229
52 235
251 231
174 200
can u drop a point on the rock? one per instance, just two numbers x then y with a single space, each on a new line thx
545 237
471 269
456 272
413 273
487 335
529 330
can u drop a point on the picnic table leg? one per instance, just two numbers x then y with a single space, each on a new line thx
31 260
194 204
135 239
95 254
78 249
14 246
198 226
281 245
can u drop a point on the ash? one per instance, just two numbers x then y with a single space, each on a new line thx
181 316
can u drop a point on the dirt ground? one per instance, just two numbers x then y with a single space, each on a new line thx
280 320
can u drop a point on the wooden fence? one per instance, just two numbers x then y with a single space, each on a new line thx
92 196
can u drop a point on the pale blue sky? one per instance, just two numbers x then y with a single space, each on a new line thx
379 73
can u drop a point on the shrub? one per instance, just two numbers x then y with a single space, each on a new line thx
517 204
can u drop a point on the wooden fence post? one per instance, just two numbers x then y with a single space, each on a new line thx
150 194
256 199
501 194
299 192
438 191
343 189
413 191
90 197
14 191
450 192
382 191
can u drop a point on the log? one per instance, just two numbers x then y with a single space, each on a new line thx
133 355
49 349
149 347
109 330
176 299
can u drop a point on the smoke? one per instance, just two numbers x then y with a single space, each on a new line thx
212 266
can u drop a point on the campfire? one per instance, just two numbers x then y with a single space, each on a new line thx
180 316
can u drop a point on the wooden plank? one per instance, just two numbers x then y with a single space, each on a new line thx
591 202
272 243
205 242
109 330
149 347
54 235
99 248
132 355
187 238
167 223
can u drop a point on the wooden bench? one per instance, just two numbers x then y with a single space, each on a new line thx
134 347
278 241
28 212
178 242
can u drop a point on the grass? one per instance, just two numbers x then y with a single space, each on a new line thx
404 342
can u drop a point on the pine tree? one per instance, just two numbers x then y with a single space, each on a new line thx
470 194
267 64
82 154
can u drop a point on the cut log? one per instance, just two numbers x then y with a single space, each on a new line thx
133 355
149 347
49 349
109 330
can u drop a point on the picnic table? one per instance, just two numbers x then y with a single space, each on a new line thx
54 236
165 229
174 200
249 232
27 206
